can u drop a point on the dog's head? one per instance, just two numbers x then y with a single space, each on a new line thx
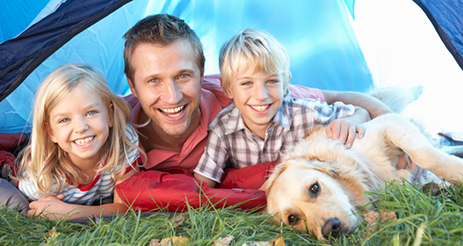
311 195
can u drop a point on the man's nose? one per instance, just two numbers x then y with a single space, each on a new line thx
172 93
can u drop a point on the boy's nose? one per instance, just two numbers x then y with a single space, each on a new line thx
172 93
261 92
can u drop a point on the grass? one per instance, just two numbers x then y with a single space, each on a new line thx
422 219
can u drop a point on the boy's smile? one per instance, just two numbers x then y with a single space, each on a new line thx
258 95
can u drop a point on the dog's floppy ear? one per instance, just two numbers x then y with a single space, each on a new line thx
279 169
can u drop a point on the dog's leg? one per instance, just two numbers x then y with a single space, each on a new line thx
407 136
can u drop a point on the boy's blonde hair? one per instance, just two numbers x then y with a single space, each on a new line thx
43 159
253 48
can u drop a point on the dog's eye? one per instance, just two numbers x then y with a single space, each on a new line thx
314 189
292 219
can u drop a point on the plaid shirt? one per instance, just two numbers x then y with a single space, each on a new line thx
231 142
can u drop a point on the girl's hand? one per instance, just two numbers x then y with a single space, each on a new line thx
344 131
49 206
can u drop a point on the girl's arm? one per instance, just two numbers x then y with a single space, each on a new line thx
54 208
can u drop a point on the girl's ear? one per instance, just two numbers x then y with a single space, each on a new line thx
110 115
50 132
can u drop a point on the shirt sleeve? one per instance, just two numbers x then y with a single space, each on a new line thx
213 161
327 113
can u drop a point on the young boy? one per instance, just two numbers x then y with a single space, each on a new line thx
263 120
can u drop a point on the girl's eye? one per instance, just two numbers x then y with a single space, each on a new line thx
246 83
64 120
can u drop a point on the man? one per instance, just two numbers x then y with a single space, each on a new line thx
164 65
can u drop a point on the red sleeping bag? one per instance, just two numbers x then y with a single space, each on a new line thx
174 188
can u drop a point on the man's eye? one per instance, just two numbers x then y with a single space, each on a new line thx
153 80
183 76
92 112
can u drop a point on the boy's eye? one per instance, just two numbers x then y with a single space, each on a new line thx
272 81
246 83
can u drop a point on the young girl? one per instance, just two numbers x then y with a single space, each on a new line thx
81 146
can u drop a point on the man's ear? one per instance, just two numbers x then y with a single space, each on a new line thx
110 115
50 132
132 87
226 90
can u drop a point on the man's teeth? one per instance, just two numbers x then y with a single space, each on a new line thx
173 112
260 108
84 141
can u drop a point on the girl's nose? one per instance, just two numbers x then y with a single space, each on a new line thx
81 126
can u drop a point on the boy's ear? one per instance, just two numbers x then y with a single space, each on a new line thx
50 133
110 115
225 90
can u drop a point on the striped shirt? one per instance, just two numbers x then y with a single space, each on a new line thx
231 143
102 185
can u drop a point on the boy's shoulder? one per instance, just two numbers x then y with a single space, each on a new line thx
224 119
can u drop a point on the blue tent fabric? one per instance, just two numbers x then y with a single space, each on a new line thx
447 18
318 35
45 37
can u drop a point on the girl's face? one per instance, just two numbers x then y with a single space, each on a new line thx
80 124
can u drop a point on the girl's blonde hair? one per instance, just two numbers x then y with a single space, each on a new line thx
253 48
43 159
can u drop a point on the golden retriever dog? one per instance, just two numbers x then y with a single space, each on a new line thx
320 185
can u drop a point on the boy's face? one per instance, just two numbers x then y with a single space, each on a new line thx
258 95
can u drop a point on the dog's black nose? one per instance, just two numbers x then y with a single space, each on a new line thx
332 227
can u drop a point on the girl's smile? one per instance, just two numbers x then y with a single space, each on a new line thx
80 124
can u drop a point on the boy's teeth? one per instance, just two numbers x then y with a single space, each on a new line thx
173 112
260 108
84 141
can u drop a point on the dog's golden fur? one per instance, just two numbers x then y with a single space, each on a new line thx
320 185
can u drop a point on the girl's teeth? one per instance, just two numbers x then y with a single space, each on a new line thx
84 141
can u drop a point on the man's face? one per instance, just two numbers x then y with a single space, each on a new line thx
167 82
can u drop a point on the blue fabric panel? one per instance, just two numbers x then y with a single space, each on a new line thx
21 55
17 15
447 18
318 35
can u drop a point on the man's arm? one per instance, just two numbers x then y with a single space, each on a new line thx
374 106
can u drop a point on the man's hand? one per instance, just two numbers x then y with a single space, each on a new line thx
344 131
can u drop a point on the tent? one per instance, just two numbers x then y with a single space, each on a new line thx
336 44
